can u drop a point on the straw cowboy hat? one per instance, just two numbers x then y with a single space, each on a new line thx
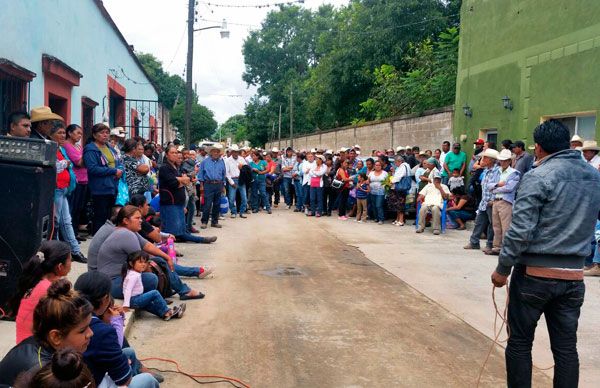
590 145
43 113
234 147
504 155
408 148
400 148
577 139
216 146
274 149
491 153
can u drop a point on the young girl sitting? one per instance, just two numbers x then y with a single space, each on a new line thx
133 290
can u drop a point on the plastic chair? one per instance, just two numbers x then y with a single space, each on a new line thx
442 218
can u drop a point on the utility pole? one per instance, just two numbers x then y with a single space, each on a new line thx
291 117
279 127
188 72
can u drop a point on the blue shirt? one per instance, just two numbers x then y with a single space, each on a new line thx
362 194
492 176
212 170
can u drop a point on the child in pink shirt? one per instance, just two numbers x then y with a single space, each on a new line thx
133 290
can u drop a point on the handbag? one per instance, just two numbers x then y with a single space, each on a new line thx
404 184
337 184
122 192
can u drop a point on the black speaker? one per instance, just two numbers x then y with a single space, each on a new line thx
26 213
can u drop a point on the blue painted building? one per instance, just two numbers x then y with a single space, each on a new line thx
70 55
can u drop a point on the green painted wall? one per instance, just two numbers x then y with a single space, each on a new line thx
543 54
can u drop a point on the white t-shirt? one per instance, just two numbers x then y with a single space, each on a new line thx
432 195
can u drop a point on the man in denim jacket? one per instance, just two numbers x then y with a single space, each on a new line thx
548 240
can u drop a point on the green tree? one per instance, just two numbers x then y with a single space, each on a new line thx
202 122
234 128
171 88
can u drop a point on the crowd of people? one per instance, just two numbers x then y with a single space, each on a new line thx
136 200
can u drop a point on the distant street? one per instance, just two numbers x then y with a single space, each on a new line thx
292 305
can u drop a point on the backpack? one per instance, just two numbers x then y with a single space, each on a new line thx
159 268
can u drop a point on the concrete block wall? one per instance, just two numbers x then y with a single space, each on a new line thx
428 131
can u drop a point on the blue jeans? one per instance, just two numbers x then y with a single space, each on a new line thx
149 281
306 196
63 216
176 284
212 202
151 301
463 215
286 186
182 270
299 194
259 191
560 301
316 200
483 223
231 194
377 201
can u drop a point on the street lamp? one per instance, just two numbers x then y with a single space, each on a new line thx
190 59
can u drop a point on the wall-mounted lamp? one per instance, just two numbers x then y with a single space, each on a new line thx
507 103
467 110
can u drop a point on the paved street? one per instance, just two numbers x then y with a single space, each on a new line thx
337 319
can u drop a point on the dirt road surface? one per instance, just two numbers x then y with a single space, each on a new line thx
291 305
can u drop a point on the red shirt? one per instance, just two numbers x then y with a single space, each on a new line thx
63 178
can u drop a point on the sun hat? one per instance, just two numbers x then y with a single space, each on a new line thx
117 132
490 153
43 113
577 138
215 146
313 151
343 149
274 149
590 145
329 152
321 157
505 155
408 148
234 147
356 146
399 148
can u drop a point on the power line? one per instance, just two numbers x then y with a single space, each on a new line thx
266 5
177 50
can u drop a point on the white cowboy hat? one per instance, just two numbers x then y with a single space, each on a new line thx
321 157
234 147
329 152
590 145
118 132
399 148
216 146
274 149
577 138
314 150
491 153
408 148
505 155
343 149
356 147
357 152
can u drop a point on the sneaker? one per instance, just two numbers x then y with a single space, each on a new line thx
221 217
380 223
436 232
269 211
205 272
342 218
288 207
360 221
318 215
218 226
233 216
469 246
593 271
420 230
400 224
203 226
395 223
255 211
242 215
296 210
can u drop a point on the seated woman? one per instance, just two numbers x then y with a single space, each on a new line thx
60 320
136 172
153 234
105 358
52 262
464 208
124 241
67 370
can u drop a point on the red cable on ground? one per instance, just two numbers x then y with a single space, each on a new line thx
194 375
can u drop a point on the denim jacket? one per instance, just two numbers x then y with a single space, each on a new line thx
554 215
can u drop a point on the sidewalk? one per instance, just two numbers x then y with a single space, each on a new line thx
459 280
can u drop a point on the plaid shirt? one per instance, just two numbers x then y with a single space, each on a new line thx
491 176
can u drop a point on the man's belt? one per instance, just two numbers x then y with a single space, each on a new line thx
214 182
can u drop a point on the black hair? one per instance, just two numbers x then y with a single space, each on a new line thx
416 148
456 169
17 116
137 200
66 370
519 144
301 156
53 253
492 144
71 128
460 190
370 160
114 213
363 176
507 143
177 142
552 136
446 142
130 145
150 146
94 286
56 125
131 259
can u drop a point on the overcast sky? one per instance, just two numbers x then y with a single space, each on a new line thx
159 27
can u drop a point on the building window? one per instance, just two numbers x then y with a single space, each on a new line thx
14 90
489 134
87 116
116 103
59 80
583 125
